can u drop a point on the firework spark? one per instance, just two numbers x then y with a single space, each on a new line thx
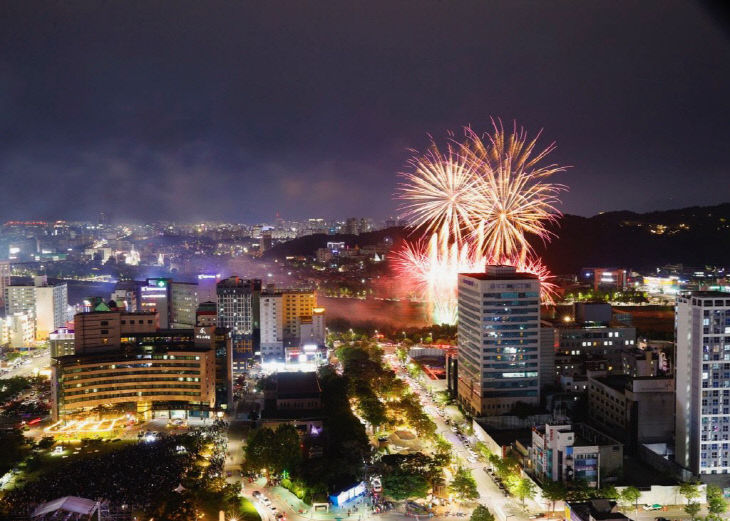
439 192
515 198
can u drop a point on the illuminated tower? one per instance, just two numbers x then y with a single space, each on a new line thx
499 339
702 414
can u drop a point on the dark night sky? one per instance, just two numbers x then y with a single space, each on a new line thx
187 110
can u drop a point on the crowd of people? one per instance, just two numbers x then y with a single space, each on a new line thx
140 476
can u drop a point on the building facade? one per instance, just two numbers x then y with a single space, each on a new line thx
702 373
239 311
272 326
499 337
633 410
570 453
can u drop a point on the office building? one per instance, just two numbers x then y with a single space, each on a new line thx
174 302
312 328
605 279
104 328
633 410
122 363
62 342
499 338
702 374
239 311
582 347
295 304
574 453
218 339
206 314
272 326
51 308
46 304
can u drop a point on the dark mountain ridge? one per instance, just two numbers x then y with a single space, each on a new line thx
693 236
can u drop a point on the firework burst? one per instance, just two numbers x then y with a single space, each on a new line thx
438 192
515 198
478 201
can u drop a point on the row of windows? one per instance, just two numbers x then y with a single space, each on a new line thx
95 390
71 384
136 394
92 368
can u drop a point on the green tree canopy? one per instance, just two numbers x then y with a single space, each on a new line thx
464 485
481 513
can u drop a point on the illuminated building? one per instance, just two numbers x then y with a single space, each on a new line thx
272 326
175 302
218 339
605 279
18 330
103 329
574 453
702 375
238 310
124 364
62 342
206 314
312 328
46 304
499 336
4 280
152 381
295 304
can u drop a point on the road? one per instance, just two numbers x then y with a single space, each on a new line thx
503 507
36 362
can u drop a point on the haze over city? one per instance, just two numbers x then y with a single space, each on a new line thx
236 110
364 261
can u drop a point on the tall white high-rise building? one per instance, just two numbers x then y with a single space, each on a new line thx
702 374
272 326
499 338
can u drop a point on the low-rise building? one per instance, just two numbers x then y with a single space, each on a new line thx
593 510
574 453
635 410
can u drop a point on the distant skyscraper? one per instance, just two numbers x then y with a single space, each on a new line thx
702 377
238 310
499 335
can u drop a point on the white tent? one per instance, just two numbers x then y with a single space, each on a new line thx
72 504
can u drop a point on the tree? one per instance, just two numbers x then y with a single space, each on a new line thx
524 488
401 485
287 450
608 492
261 450
692 509
464 485
481 513
554 491
690 490
630 496
716 504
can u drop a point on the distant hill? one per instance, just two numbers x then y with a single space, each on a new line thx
308 244
694 236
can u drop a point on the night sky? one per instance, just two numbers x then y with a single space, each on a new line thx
235 110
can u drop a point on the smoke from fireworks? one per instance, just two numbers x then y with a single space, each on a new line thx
479 201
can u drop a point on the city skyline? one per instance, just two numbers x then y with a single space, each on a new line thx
238 112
